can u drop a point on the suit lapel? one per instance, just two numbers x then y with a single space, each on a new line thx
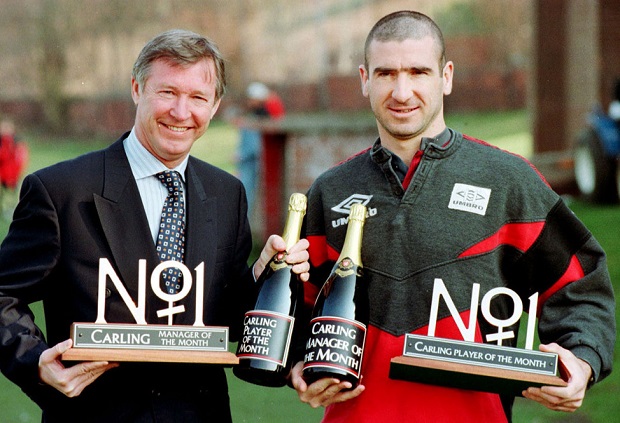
200 238
123 219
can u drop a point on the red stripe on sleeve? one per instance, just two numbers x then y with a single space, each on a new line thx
573 273
518 235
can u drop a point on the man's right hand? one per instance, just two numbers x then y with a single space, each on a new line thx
323 392
71 381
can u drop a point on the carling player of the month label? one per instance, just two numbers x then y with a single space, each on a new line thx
266 336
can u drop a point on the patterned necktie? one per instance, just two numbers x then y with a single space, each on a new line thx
171 237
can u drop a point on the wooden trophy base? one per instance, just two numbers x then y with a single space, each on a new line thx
468 376
151 356
475 366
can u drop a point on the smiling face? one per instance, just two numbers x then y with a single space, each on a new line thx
174 108
405 85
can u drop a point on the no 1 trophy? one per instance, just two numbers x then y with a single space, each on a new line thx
102 341
466 364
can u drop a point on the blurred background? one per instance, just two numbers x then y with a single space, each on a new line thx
529 77
66 63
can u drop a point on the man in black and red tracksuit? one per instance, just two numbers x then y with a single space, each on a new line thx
445 206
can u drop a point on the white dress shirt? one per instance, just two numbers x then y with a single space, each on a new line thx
144 167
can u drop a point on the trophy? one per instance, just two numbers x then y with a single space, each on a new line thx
478 366
102 341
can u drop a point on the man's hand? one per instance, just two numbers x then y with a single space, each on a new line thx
323 392
297 256
71 381
567 398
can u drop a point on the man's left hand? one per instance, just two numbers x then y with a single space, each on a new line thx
297 256
568 398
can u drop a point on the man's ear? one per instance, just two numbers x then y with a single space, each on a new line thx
364 80
135 91
448 74
215 107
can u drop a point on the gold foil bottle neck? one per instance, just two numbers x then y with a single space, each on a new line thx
296 211
352 247
358 212
298 203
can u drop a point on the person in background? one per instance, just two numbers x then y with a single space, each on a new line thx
13 161
13 155
124 203
443 205
262 104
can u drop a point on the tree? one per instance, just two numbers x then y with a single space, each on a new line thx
53 64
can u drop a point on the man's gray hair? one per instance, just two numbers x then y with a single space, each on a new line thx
182 48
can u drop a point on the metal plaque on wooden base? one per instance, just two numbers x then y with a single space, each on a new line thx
149 343
102 341
475 366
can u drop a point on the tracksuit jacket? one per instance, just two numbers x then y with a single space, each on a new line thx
466 213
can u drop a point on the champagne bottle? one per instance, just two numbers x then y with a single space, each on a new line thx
340 315
268 329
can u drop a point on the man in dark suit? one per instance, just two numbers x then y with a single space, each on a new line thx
107 204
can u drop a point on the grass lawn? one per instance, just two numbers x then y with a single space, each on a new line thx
252 403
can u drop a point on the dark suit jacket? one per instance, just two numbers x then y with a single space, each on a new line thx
75 212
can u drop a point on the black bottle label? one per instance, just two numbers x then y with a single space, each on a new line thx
335 343
266 336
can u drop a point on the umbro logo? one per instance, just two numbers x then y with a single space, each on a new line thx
470 199
345 206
